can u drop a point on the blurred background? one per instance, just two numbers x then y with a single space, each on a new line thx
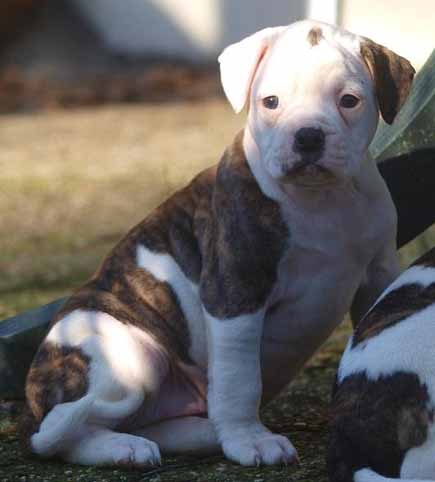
108 106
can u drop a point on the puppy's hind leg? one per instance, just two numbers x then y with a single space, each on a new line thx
101 446
91 361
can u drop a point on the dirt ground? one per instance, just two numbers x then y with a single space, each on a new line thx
72 183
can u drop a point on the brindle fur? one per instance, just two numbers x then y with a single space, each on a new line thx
57 375
398 305
393 76
315 35
374 423
240 266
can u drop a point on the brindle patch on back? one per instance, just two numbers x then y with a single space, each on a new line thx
315 35
396 306
133 295
374 423
176 226
57 375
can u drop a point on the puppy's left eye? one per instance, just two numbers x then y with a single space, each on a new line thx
348 101
271 102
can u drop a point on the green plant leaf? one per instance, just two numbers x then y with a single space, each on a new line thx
414 126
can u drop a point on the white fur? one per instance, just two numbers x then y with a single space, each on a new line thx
419 462
368 475
60 425
126 364
238 71
124 359
234 361
309 82
164 268
395 349
100 446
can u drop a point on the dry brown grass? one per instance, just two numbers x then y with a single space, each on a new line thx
73 182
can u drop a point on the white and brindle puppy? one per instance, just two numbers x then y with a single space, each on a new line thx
217 299
383 426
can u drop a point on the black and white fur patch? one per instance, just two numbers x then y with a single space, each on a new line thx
383 403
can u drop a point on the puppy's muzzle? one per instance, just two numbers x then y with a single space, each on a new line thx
309 142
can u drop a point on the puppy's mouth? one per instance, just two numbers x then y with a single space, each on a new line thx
307 173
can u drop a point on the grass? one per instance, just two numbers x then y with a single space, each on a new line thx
71 184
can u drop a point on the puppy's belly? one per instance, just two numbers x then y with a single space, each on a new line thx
182 393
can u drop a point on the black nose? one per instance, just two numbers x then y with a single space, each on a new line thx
309 140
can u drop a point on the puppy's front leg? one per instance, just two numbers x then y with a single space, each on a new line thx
235 392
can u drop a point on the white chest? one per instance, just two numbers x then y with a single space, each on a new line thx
317 279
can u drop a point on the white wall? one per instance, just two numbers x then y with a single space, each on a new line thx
405 26
199 29
194 29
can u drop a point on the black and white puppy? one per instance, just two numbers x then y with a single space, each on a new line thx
383 408
218 298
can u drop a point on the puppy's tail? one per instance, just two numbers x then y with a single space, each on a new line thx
368 475
65 420
105 410
60 425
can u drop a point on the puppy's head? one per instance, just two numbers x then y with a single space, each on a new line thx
314 93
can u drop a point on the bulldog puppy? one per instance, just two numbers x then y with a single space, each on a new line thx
383 408
217 299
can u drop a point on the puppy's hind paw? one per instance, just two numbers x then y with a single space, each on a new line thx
132 451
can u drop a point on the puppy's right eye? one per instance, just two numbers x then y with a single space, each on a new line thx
271 102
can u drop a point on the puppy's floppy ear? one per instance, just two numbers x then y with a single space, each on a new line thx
239 62
392 74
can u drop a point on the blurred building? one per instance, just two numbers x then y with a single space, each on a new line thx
199 29
74 52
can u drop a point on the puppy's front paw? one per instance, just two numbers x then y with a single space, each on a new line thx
266 448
